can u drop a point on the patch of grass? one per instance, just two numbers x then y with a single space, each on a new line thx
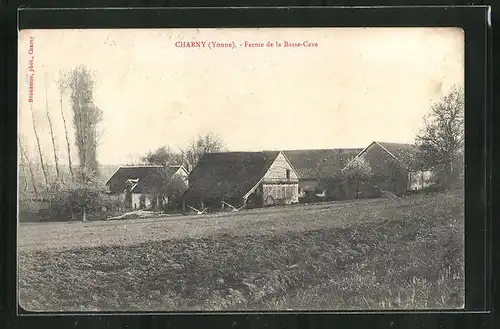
411 257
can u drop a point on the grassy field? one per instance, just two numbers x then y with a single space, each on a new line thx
370 254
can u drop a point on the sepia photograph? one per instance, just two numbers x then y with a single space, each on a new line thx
241 169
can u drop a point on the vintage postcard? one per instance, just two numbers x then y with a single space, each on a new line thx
243 169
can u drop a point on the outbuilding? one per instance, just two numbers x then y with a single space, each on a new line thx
242 179
132 183
394 167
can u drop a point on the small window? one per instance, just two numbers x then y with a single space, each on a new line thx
288 174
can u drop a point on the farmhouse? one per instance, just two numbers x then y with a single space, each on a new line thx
242 179
133 183
315 167
394 167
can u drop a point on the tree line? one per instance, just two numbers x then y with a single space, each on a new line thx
77 85
82 192
188 157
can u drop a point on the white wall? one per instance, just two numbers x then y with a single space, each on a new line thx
277 171
418 180
135 200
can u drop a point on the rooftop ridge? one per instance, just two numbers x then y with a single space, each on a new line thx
395 143
150 166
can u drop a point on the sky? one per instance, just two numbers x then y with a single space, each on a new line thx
356 86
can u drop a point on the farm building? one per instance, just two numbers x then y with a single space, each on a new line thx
394 167
134 183
242 179
316 167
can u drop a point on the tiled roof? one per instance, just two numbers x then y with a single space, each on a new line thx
322 163
406 155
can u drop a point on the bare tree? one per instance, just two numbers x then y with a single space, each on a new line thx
357 172
22 176
86 116
161 187
162 156
209 143
45 175
56 160
30 167
62 84
85 193
441 140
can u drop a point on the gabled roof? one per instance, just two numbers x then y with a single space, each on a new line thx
320 163
118 181
404 154
228 174
174 169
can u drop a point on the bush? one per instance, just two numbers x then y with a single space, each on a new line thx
173 207
27 205
29 209
81 199
112 205
32 207
161 185
335 188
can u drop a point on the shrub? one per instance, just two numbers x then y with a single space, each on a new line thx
160 185
82 198
28 208
27 204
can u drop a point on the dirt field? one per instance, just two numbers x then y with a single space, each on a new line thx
266 221
371 254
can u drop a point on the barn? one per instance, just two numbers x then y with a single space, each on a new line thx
394 167
242 179
133 182
316 167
